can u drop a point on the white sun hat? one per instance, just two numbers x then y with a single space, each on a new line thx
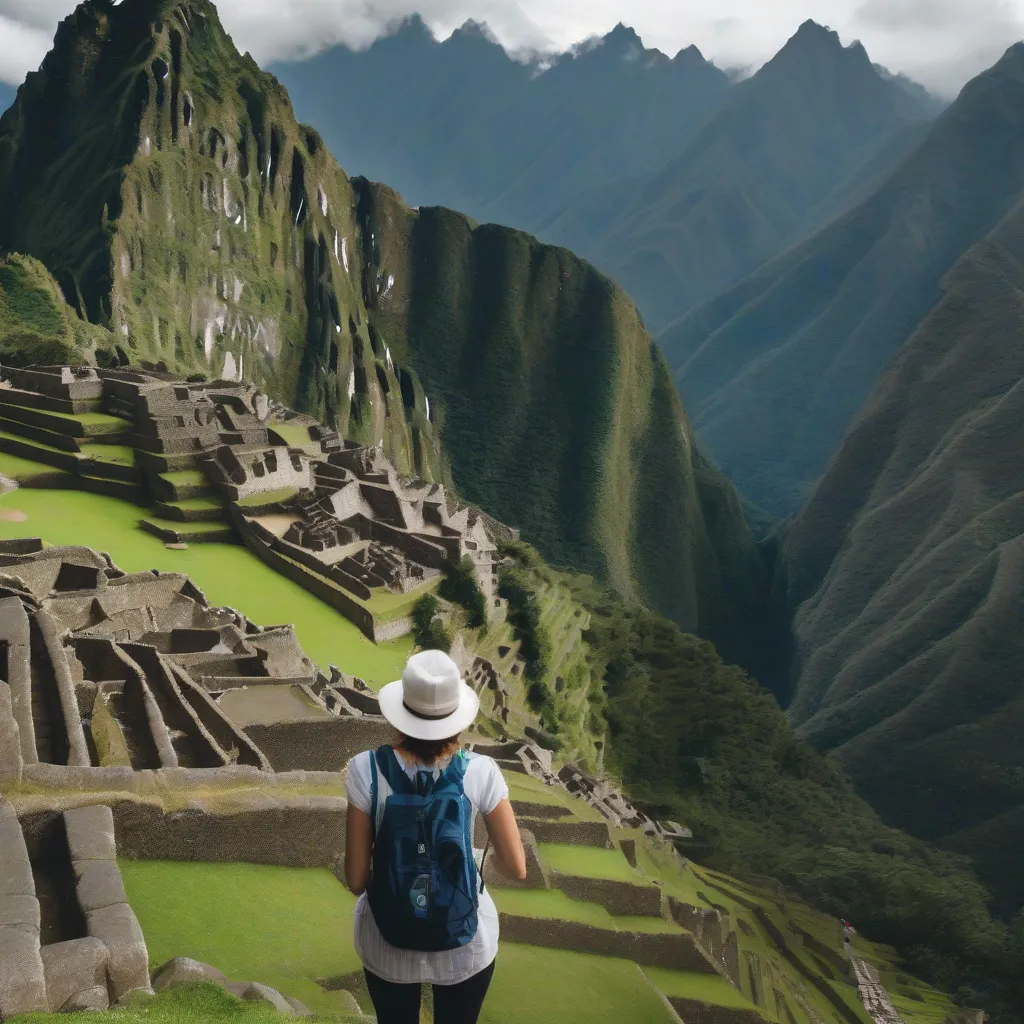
430 701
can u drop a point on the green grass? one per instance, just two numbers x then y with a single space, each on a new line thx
32 443
657 925
185 477
24 470
208 501
228 574
533 985
292 434
115 453
551 904
181 526
268 497
588 862
191 1004
387 606
284 927
710 988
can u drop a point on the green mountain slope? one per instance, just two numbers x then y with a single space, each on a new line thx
905 569
558 412
753 178
213 233
797 346
36 323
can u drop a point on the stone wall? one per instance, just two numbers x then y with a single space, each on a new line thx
304 833
318 744
573 831
673 951
333 595
693 1011
622 898
386 631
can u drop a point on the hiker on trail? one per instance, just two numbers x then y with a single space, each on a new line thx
424 915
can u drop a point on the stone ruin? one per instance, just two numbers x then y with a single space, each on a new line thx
611 803
332 515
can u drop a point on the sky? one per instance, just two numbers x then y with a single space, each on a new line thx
940 43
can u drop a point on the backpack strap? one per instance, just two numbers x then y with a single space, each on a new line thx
373 792
387 763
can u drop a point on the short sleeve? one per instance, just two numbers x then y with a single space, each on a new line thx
357 781
488 787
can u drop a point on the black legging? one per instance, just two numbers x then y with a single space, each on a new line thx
453 1004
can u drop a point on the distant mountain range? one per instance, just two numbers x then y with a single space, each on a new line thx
661 170
7 94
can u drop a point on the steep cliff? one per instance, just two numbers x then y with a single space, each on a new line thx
165 182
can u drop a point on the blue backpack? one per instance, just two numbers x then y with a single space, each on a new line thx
423 885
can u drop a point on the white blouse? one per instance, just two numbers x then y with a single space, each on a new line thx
486 788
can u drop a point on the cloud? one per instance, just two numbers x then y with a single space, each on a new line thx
942 43
939 42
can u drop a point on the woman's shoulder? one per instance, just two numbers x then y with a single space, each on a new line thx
360 762
481 763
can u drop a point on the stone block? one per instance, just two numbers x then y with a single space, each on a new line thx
184 971
535 877
134 997
90 833
72 968
118 928
15 869
300 1009
256 993
98 884
22 980
93 999
19 910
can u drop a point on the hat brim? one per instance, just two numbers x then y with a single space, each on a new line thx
394 710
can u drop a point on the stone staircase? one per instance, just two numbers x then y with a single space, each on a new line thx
872 993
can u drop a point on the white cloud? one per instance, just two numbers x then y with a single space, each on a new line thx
939 42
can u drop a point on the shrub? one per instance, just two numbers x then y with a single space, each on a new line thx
460 587
429 631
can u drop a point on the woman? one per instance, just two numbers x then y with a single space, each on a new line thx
429 707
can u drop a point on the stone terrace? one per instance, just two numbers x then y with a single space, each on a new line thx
221 461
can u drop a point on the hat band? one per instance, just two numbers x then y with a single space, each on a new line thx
434 718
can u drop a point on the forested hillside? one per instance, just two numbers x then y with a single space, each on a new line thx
905 571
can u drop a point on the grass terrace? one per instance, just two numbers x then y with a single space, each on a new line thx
228 574
710 988
588 862
284 927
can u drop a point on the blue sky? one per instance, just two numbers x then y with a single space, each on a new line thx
941 43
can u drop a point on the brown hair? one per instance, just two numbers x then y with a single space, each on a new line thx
428 751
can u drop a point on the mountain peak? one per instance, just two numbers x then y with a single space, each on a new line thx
689 55
623 35
813 35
